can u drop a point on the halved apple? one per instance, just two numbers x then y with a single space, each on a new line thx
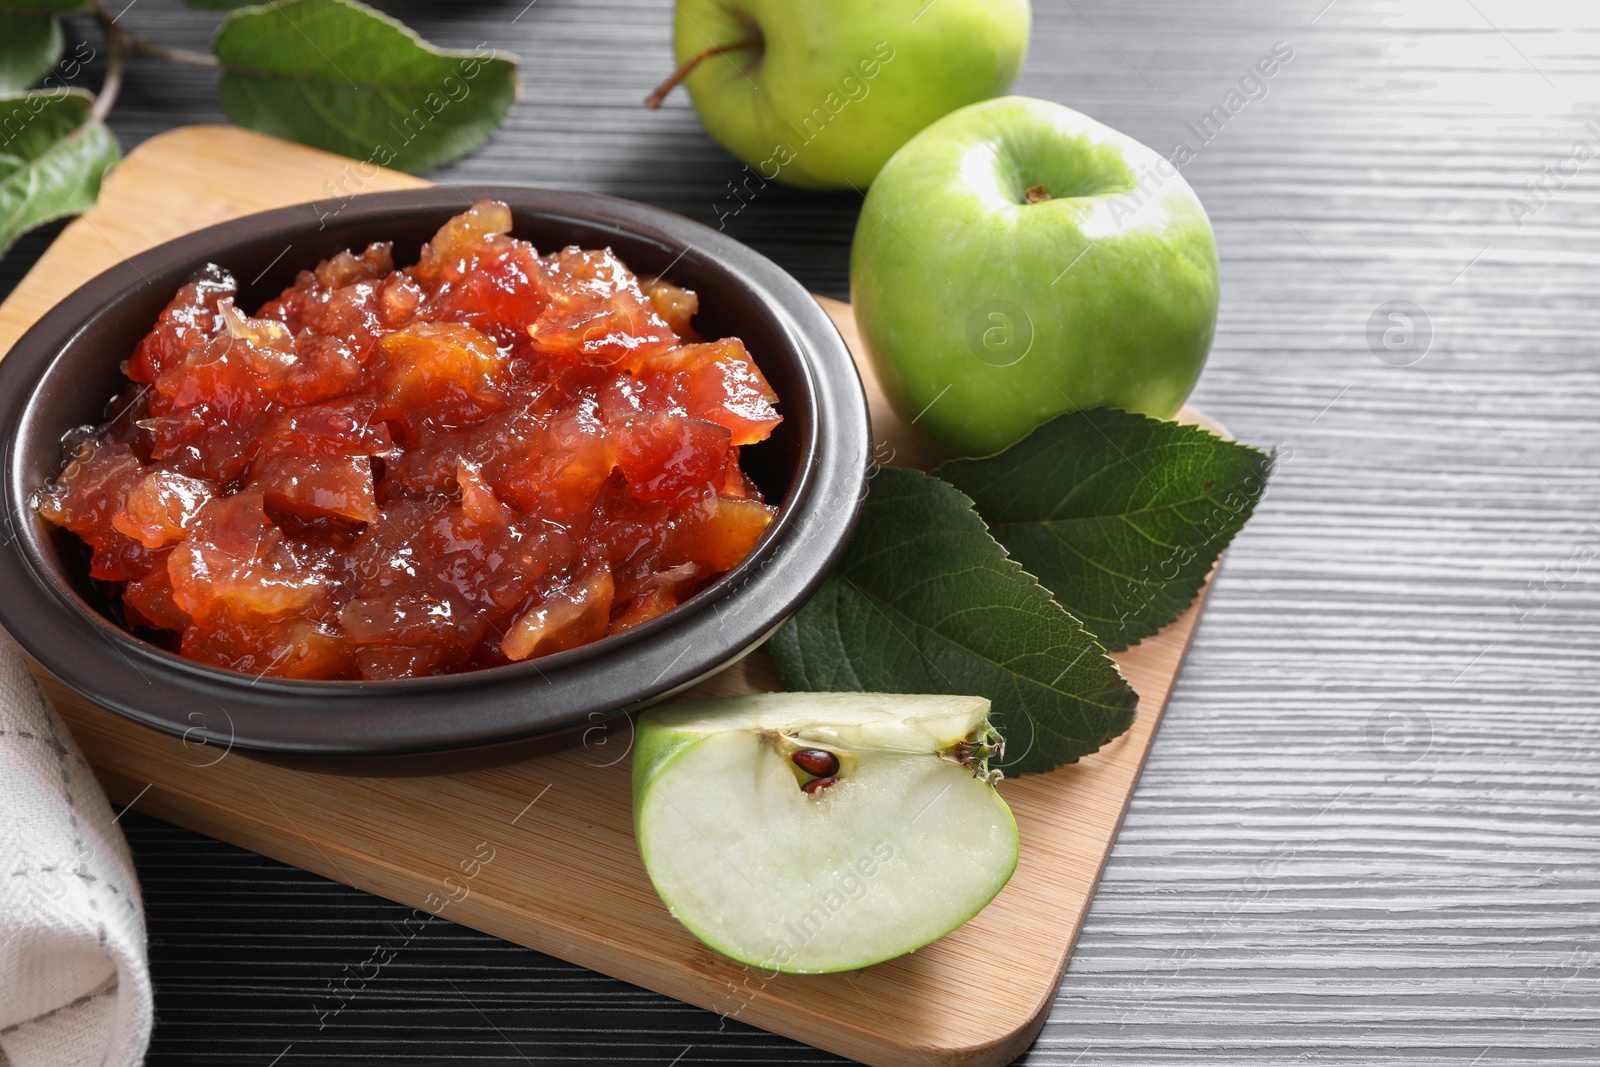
818 832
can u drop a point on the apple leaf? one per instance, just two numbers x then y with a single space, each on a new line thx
338 75
30 45
53 162
925 601
1121 515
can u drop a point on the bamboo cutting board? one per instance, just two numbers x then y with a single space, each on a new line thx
542 853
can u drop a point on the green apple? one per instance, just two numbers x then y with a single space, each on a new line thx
818 832
819 93
1016 260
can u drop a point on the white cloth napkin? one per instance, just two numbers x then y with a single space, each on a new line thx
74 978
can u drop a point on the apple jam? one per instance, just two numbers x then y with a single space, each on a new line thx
489 456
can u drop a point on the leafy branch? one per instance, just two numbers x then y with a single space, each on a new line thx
1010 577
334 74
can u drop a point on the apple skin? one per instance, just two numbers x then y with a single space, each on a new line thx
841 84
986 315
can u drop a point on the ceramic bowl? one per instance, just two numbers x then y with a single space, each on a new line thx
62 372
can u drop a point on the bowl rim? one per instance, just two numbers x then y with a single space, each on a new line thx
108 665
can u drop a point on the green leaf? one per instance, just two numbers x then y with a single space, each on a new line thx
341 76
52 160
925 601
219 5
1121 515
30 45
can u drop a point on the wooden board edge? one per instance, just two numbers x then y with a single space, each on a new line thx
1013 1044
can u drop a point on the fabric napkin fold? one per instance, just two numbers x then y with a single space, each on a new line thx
74 976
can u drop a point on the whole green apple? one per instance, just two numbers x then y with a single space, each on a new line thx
820 93
1017 260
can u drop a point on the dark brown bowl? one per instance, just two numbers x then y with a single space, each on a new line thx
62 372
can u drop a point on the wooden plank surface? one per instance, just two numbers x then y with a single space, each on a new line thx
1300 880
542 853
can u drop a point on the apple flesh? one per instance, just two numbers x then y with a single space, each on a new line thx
817 832
831 88
1016 260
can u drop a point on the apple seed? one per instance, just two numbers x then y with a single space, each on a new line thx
816 761
817 785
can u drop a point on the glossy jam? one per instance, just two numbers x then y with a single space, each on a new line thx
489 456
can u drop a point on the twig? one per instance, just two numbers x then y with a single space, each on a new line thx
112 84
132 44
171 55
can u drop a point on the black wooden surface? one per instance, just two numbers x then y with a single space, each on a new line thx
1369 831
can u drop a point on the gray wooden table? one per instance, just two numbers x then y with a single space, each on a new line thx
1369 832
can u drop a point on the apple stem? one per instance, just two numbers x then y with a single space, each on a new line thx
1038 194
975 752
653 101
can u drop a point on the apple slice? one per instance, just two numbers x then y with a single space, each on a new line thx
818 832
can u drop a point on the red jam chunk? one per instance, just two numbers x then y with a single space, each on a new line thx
486 457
